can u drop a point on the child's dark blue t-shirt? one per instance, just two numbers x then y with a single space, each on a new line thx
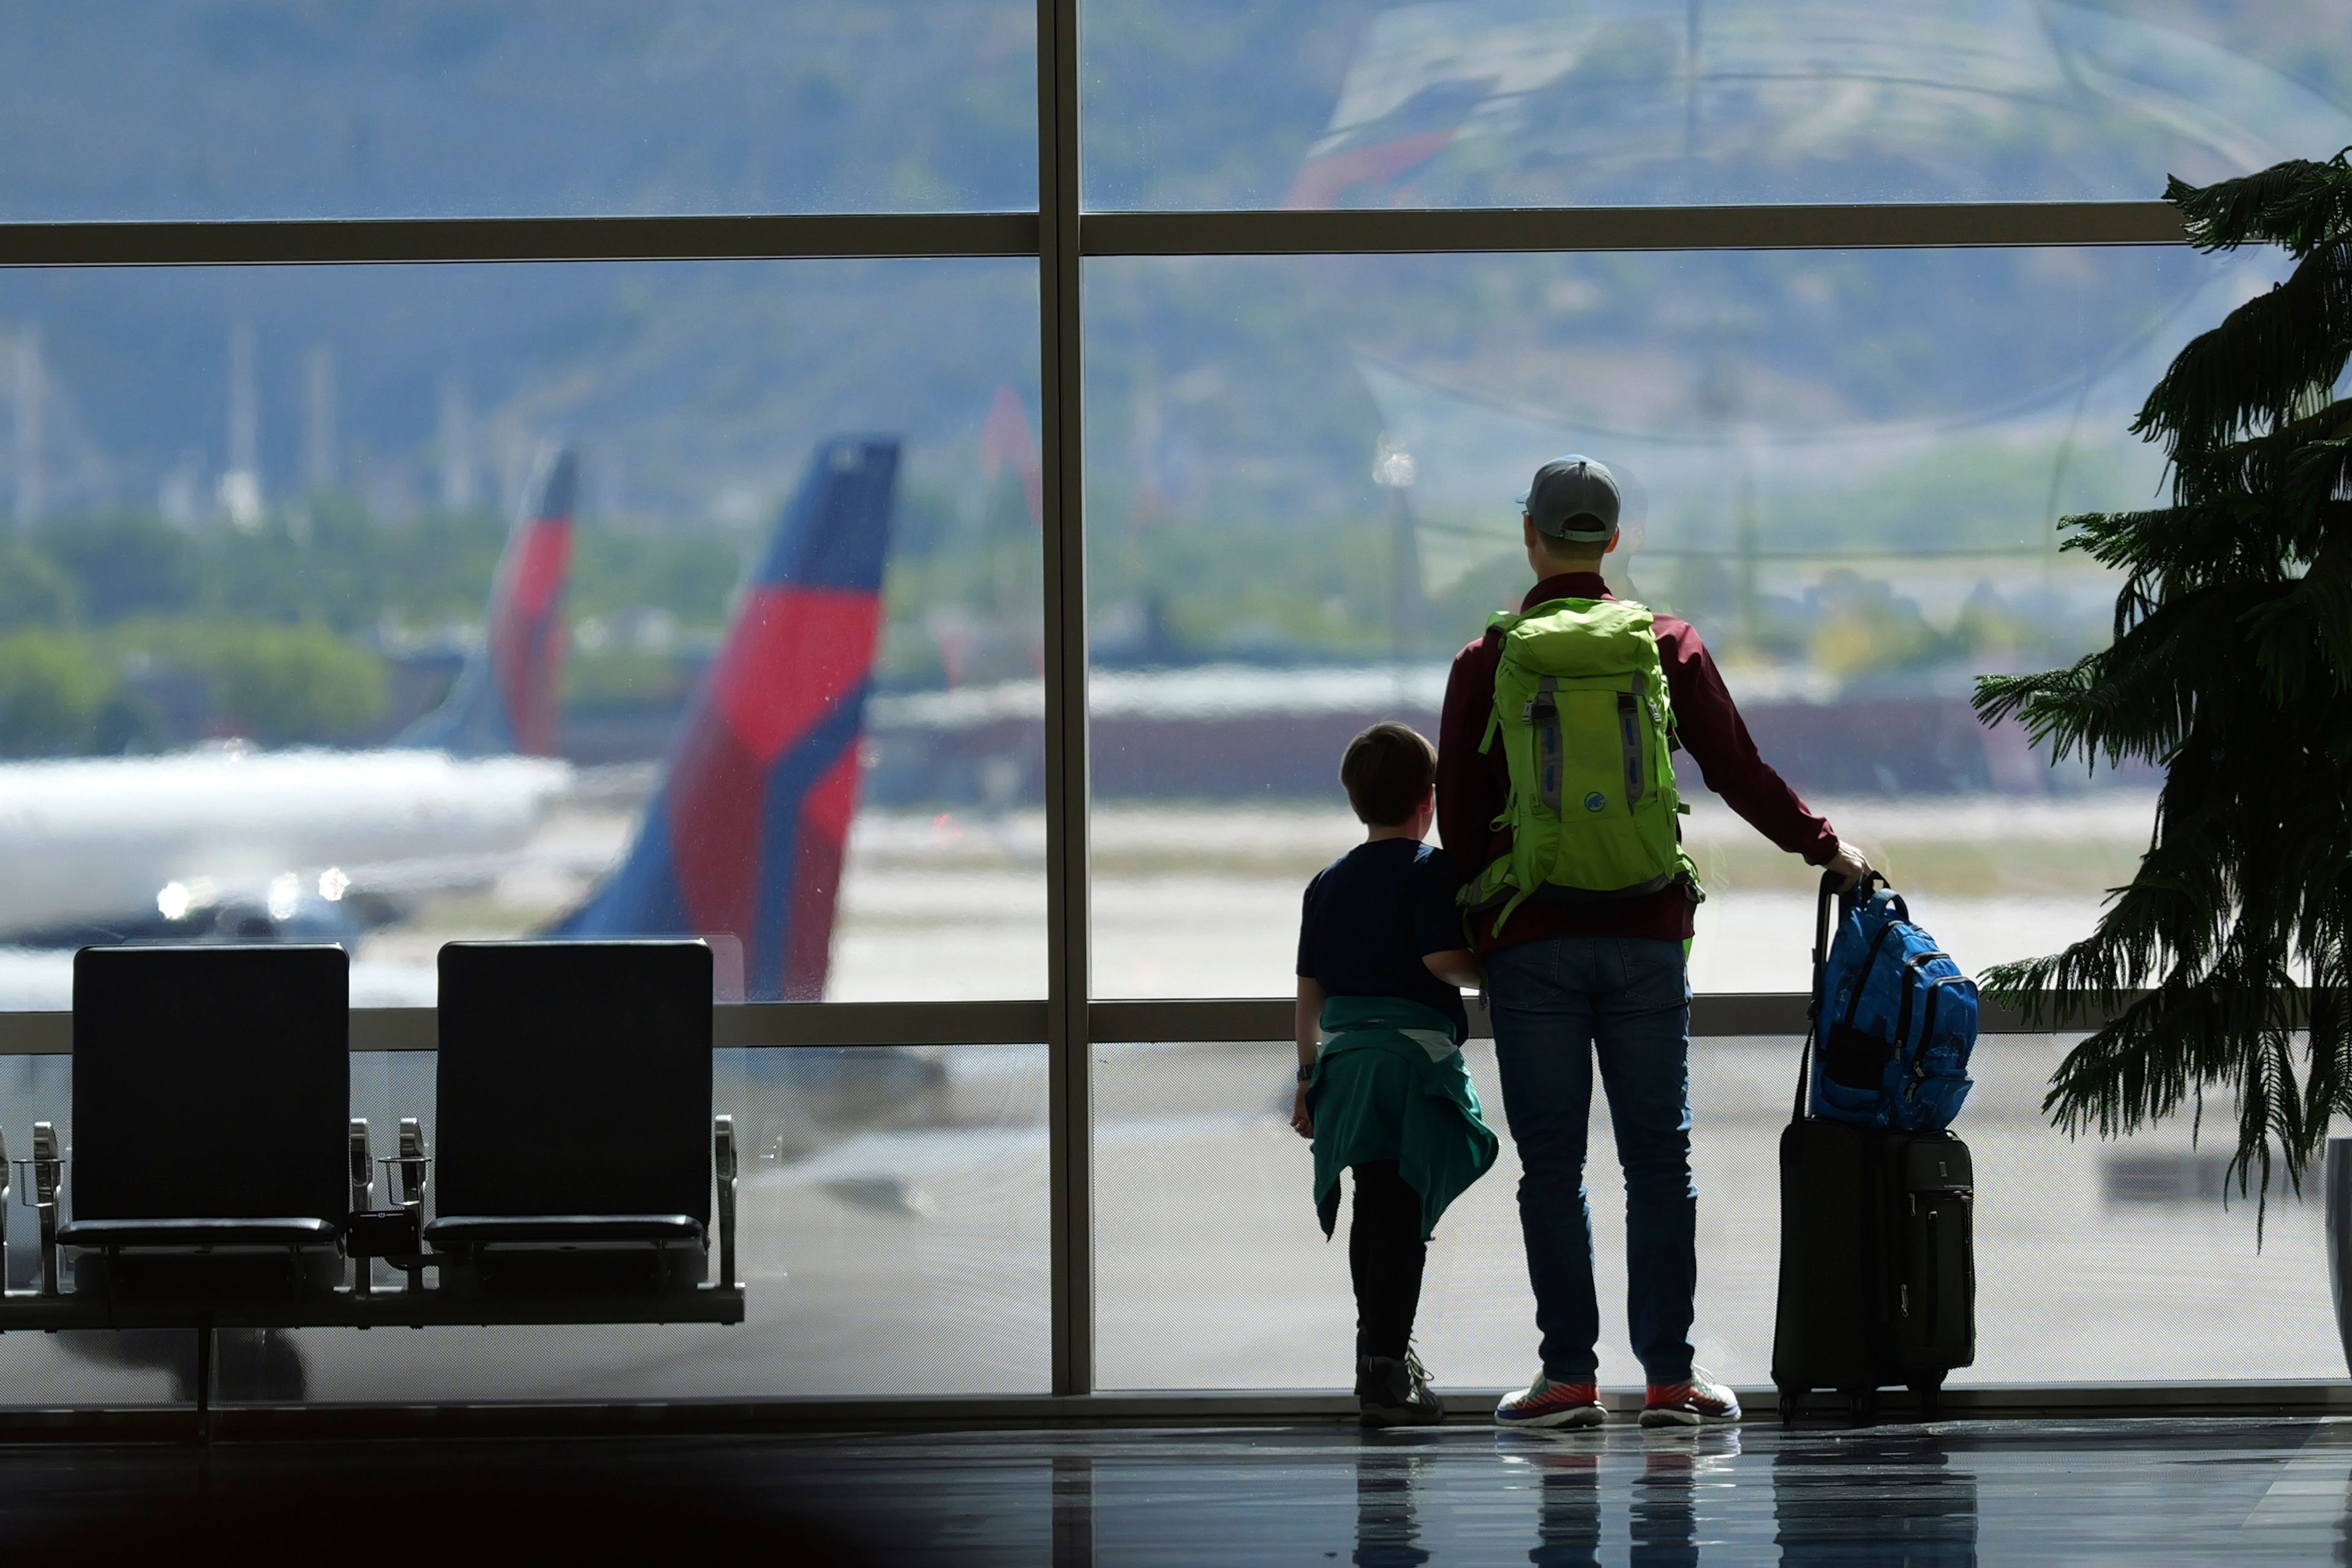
1372 914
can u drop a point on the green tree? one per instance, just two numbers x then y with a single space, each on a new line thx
34 591
2231 667
123 563
288 685
51 687
281 685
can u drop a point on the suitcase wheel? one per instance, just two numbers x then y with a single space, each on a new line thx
1790 1399
1861 1407
1930 1395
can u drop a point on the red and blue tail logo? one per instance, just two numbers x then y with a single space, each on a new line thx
746 838
506 699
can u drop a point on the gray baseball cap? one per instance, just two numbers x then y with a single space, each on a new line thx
1574 497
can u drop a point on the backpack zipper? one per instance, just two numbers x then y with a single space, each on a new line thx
1910 982
1926 1032
1862 976
1934 1295
1543 718
1628 730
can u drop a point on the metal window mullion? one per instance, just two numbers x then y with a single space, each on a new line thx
1268 232
1070 1100
269 242
834 1025
1715 1014
1819 227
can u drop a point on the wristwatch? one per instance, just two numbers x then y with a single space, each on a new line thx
1306 1071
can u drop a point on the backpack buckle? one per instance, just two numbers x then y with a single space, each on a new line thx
1544 702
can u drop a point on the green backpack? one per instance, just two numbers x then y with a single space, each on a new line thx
1581 704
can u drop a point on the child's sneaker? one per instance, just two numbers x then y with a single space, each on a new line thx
1546 1403
1692 1404
1391 1393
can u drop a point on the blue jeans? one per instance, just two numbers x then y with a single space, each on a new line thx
1559 1002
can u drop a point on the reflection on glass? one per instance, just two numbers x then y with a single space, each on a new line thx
1846 468
1641 102
891 1235
394 604
1211 1272
237 109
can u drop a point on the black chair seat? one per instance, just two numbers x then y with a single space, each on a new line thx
574 1091
188 1233
458 1230
212 1092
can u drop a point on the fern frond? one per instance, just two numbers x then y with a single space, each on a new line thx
2224 538
2298 204
2231 668
2271 361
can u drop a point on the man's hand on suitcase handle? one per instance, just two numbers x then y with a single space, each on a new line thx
1849 864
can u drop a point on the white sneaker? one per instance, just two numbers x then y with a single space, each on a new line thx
1700 1401
1549 1405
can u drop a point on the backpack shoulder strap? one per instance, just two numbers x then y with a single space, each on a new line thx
1498 627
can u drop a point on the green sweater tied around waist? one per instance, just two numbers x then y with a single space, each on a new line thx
1389 1084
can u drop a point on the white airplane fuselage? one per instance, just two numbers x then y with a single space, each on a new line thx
101 838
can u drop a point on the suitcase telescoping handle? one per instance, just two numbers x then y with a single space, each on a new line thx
1843 902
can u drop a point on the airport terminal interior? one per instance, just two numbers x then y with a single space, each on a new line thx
672 671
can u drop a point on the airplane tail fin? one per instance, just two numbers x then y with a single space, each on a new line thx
746 838
505 699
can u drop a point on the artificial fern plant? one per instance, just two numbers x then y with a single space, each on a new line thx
2231 670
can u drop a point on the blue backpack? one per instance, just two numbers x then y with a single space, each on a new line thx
1893 1018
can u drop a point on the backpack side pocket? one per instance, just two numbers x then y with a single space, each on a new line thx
1938 1082
1850 1080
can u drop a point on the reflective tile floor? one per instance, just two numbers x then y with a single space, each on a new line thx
2240 1491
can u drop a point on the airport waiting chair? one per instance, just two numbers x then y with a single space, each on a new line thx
211 1097
573 1138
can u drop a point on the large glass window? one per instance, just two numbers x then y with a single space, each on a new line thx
390 605
1213 1273
1206 103
891 1240
1845 470
891 1235
398 605
253 108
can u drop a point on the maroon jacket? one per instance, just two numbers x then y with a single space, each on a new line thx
1472 788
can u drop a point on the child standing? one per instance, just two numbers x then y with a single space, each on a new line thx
1381 1087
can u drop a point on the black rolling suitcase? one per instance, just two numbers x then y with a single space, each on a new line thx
1877 1251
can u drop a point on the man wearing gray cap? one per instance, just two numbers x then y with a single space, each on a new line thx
1555 775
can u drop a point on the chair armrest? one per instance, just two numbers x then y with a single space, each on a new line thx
412 1168
362 1163
722 1155
45 1179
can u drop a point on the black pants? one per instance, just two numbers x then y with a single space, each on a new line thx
1385 1254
